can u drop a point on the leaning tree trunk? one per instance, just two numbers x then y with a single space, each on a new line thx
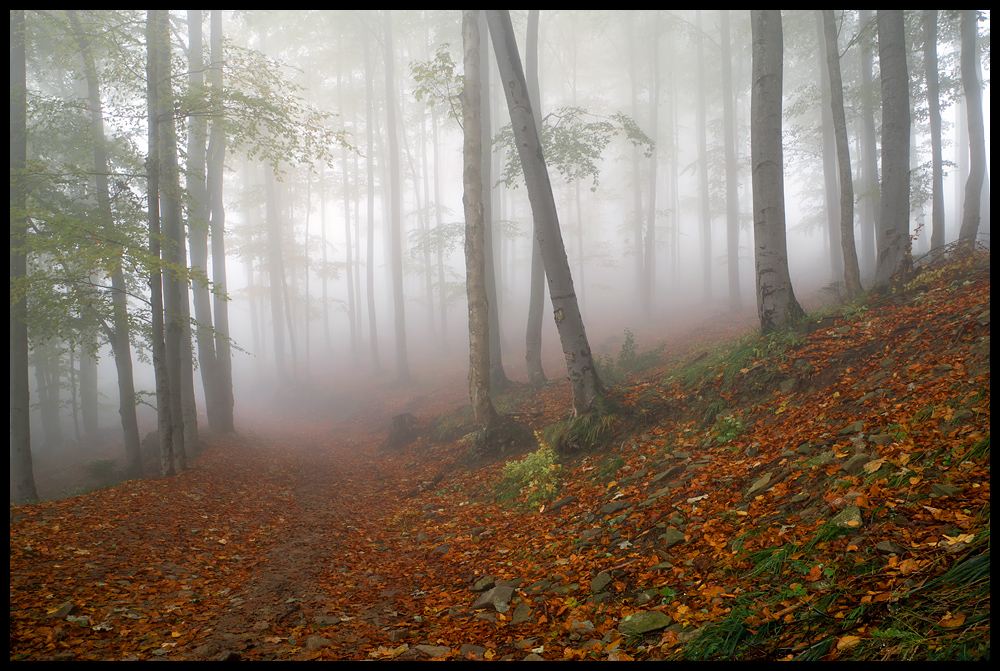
588 392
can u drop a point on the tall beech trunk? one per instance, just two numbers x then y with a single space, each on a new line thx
588 392
852 275
119 332
475 226
894 215
776 304
536 298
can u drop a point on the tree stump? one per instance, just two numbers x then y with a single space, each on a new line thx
401 433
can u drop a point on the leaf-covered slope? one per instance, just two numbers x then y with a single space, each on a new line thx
821 496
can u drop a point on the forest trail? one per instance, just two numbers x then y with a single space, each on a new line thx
295 541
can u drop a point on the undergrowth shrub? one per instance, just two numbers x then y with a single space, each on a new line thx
613 370
536 476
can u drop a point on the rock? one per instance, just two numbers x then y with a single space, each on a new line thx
856 463
566 500
433 650
522 613
615 506
945 490
672 537
854 427
470 651
848 518
497 598
759 486
317 642
889 548
598 584
640 623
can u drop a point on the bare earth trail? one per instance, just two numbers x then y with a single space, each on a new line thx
336 582
284 543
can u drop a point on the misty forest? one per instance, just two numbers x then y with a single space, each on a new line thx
494 334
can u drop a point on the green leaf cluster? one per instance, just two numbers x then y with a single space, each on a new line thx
573 142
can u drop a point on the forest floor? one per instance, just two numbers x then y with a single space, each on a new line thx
820 494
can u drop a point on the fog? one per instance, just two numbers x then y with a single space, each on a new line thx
322 77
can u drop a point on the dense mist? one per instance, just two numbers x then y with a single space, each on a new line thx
262 211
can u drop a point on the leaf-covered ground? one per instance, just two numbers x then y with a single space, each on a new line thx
820 495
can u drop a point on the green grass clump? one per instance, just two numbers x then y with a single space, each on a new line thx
536 477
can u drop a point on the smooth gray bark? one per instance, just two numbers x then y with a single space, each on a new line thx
164 423
222 420
396 214
732 168
934 120
22 476
977 136
776 304
475 226
588 391
536 297
171 227
893 224
852 275
119 332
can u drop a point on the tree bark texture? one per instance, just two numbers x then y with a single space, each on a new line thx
977 135
475 228
587 388
776 304
894 215
22 476
852 275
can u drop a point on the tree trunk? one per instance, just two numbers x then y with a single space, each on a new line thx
977 136
164 422
732 168
88 396
223 386
852 275
869 156
22 475
536 297
120 342
370 265
199 210
934 119
701 124
776 304
475 229
893 225
829 157
498 377
396 215
588 391
649 247
170 213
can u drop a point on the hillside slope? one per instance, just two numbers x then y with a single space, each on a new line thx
817 495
